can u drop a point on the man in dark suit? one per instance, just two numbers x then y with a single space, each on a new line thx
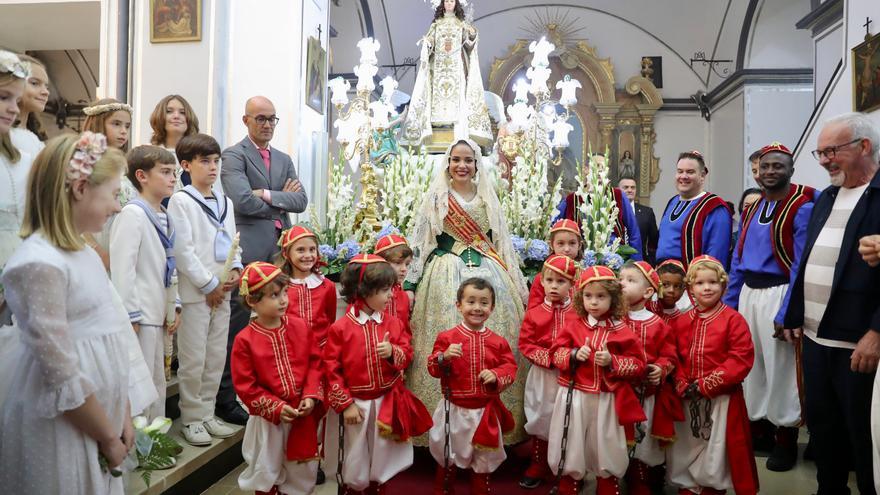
835 305
262 183
644 217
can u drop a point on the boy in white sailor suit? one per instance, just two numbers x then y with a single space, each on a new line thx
142 262
205 224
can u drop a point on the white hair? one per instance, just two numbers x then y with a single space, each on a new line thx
861 127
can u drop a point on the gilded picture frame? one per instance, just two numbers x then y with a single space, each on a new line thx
175 21
866 75
316 75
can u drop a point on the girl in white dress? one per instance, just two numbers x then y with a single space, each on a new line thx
14 165
28 134
70 399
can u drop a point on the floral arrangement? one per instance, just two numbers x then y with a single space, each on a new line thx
340 205
336 238
529 208
532 253
598 212
406 180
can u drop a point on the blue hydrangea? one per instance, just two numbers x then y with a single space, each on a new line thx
613 261
386 230
519 245
590 258
538 250
348 250
327 252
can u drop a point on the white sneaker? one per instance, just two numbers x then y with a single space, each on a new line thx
218 429
195 434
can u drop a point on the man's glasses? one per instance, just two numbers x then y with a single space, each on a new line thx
831 151
262 120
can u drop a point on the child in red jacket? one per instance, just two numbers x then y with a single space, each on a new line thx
713 449
277 372
474 365
397 252
600 357
311 296
565 239
662 407
364 358
539 329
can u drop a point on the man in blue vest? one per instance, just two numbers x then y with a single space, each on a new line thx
694 222
772 235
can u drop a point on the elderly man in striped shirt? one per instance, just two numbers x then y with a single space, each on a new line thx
835 302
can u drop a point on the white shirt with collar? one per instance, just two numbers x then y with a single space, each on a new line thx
312 281
362 318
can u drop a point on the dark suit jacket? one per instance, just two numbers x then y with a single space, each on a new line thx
854 305
242 170
648 228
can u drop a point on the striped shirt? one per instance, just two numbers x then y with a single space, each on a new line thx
819 273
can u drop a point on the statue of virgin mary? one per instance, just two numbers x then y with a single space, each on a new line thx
449 86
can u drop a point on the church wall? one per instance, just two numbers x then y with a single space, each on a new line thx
160 69
676 132
725 149
774 42
807 169
773 113
613 38
826 56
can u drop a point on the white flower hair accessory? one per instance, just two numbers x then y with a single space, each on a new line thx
89 149
10 63
108 107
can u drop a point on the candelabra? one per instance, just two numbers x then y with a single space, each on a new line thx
531 124
356 125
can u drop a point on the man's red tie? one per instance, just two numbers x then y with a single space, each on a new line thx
265 155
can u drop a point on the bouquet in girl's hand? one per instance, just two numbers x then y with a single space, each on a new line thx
153 449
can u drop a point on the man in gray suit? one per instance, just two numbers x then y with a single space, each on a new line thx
263 186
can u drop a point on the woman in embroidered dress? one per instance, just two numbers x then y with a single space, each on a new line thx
448 91
461 233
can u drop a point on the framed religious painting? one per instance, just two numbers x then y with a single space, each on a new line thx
174 21
316 75
866 75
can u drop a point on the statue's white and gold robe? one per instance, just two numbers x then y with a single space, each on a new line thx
449 85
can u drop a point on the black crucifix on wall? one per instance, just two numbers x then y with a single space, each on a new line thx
867 26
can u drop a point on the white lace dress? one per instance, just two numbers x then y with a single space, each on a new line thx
76 343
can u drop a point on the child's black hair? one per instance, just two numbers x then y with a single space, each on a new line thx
377 277
671 268
189 147
477 283
253 298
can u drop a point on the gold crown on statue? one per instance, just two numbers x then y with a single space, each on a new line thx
436 3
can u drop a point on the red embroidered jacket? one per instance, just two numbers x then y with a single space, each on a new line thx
277 366
316 306
537 293
627 355
398 307
539 330
657 342
715 350
484 350
353 367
